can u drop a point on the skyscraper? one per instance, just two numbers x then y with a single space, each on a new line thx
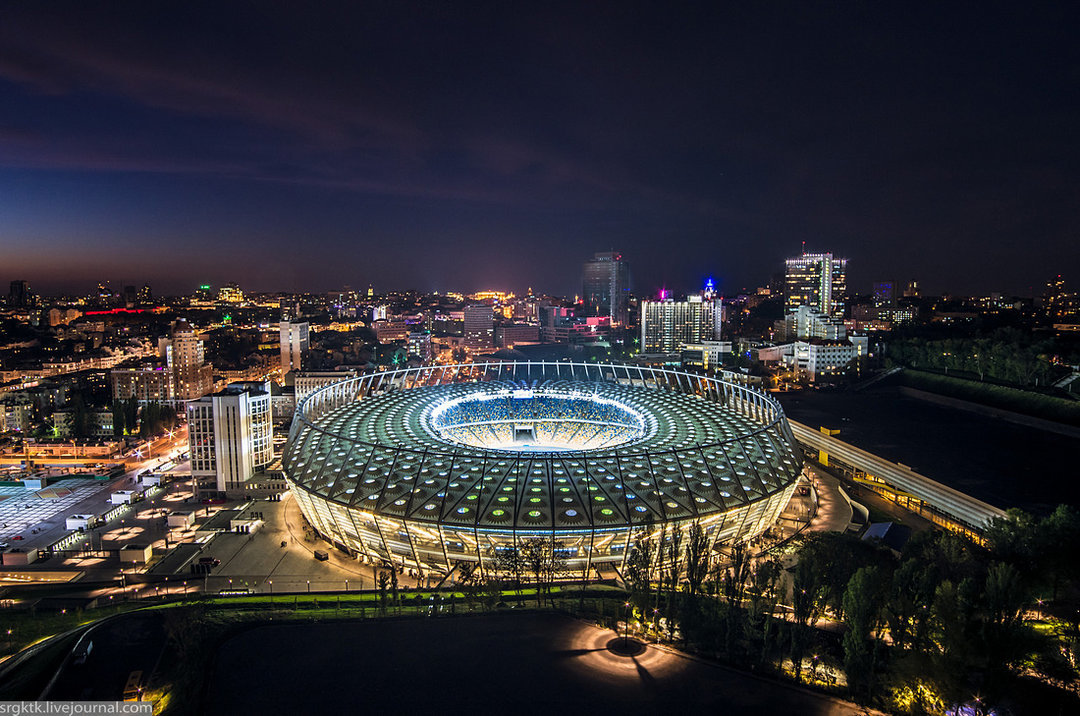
479 327
815 280
294 343
184 358
19 295
605 285
668 325
884 294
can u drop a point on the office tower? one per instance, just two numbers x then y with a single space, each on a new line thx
184 358
912 290
479 327
19 295
667 325
884 294
230 436
605 287
230 293
419 345
145 296
815 280
294 345
807 322
131 295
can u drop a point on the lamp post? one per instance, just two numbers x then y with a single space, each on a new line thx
626 623
271 583
309 586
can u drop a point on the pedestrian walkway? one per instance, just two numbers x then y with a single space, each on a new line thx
834 511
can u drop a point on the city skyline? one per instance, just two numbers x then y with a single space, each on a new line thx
445 148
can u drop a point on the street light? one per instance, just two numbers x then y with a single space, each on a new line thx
309 586
626 623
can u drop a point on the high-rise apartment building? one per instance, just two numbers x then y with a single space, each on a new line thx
605 282
19 294
230 436
294 345
184 358
147 381
815 280
668 325
479 327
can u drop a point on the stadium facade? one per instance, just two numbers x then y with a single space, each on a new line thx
428 467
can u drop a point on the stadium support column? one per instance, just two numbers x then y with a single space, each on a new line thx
442 545
479 551
382 538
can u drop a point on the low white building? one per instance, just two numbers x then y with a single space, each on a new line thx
125 497
182 520
819 358
137 553
82 522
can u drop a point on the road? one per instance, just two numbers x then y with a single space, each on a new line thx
130 642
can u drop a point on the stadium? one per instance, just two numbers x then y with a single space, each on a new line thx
429 467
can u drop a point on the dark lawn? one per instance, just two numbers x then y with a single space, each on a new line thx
494 664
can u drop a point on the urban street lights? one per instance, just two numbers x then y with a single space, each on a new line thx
626 623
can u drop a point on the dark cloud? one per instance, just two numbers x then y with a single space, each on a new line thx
422 138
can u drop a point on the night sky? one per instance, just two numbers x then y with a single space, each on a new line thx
461 146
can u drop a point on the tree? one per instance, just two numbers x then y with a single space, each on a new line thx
383 581
697 558
544 561
509 562
639 570
185 627
673 571
911 590
761 598
863 600
807 595
117 409
1058 544
491 592
470 583
131 414
1004 595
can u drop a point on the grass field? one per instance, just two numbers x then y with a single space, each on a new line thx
1026 402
